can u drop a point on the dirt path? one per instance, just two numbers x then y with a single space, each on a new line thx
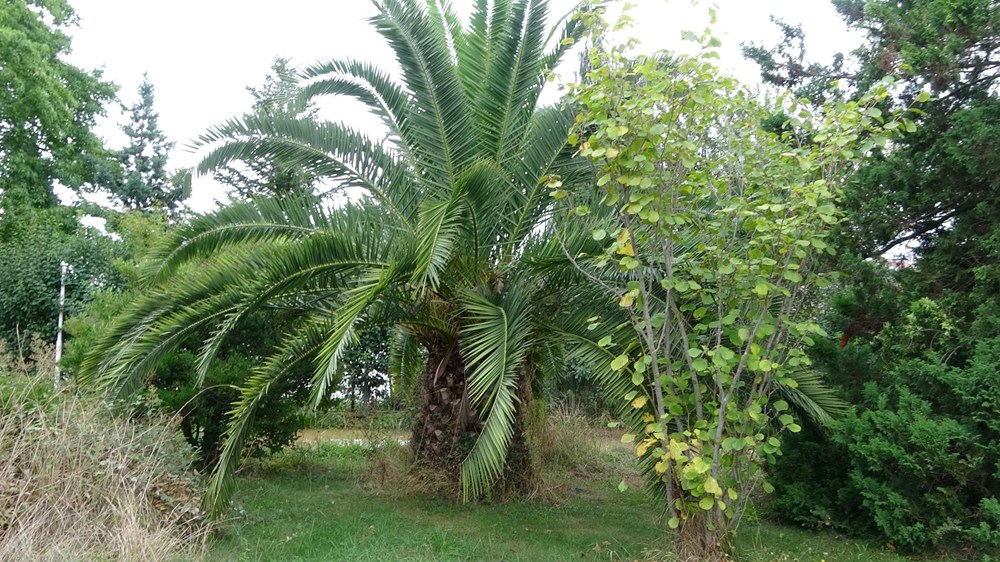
315 437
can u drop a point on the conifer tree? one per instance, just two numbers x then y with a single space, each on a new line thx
267 176
145 182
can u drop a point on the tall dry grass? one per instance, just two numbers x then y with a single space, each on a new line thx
80 483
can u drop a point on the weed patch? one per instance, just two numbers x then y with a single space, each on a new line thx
79 483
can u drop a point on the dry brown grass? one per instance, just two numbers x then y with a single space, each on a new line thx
573 451
79 483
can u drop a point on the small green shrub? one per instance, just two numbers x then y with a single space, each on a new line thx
987 533
204 410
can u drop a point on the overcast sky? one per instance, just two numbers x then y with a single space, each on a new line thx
201 54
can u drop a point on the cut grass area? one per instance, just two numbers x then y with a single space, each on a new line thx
316 509
310 504
767 542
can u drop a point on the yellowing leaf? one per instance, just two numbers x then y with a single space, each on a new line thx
639 402
712 486
625 244
626 300
677 449
644 446
618 362
661 467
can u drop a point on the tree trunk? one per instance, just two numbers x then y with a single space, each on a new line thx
447 424
699 539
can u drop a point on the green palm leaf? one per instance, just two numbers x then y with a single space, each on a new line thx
813 397
326 150
441 118
298 347
496 339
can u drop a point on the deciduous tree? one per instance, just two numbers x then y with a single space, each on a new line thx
47 106
713 252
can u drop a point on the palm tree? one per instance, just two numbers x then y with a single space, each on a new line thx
448 245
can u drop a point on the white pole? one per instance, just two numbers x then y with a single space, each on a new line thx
62 305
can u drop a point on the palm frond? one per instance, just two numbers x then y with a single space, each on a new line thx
364 82
582 325
335 259
255 222
405 359
812 397
524 82
441 223
328 150
125 367
551 360
496 337
448 25
347 316
441 122
478 51
565 34
159 320
490 201
490 59
299 346
544 152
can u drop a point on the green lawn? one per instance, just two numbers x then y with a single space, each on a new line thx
312 505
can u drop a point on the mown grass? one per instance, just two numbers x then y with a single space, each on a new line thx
312 505
318 504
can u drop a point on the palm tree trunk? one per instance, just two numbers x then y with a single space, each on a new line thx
446 424
700 539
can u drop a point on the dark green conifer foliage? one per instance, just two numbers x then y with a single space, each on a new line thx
918 460
145 182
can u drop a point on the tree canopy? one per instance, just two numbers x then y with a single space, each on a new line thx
144 182
47 106
917 354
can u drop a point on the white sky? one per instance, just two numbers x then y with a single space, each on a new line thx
201 54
